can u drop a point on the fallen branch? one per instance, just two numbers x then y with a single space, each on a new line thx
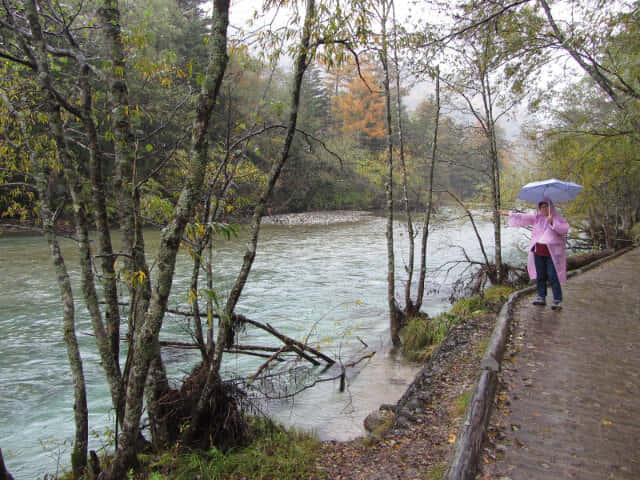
253 377
284 338
248 352
299 347
356 362
341 376
577 261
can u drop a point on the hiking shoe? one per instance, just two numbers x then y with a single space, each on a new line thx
539 301
556 305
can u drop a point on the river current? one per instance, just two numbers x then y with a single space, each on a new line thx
324 283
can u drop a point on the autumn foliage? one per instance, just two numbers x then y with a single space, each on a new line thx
359 110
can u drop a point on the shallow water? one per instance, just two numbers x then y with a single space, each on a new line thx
326 283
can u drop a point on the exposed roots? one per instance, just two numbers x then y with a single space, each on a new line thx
223 424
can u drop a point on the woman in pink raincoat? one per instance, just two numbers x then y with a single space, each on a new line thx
547 260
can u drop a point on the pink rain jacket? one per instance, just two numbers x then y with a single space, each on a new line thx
555 237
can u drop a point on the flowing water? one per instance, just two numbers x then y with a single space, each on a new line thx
324 283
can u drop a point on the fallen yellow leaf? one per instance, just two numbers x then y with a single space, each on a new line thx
452 438
606 422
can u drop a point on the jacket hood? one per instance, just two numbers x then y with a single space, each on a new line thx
547 200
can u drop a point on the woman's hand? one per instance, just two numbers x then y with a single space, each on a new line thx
502 212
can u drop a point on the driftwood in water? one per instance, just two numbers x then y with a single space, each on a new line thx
287 340
252 350
4 474
340 376
268 362
577 261
301 349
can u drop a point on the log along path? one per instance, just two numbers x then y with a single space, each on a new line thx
567 404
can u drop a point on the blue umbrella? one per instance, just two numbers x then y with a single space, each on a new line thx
556 190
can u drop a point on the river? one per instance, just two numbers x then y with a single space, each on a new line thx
324 282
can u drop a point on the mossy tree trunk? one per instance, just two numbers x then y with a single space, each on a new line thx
124 183
146 335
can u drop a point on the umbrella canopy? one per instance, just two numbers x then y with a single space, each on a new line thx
556 190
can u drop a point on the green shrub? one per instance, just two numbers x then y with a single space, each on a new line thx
275 453
490 301
421 334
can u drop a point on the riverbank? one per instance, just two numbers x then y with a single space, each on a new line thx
426 419
321 217
416 444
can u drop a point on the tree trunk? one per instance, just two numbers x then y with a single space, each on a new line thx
395 314
80 409
577 261
125 189
429 207
494 165
45 183
105 248
409 306
164 427
195 307
213 379
146 335
53 112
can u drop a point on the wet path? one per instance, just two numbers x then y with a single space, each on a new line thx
568 406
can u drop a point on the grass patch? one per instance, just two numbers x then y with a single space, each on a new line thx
460 404
435 472
498 294
490 301
422 334
275 453
469 307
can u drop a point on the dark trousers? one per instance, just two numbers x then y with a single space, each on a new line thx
546 272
